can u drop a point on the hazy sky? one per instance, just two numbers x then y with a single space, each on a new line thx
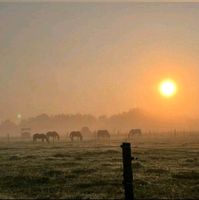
98 58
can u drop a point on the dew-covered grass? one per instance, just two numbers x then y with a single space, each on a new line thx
88 170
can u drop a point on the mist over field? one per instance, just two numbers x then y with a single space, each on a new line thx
97 58
116 124
99 100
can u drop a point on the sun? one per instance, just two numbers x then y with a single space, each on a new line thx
168 88
19 116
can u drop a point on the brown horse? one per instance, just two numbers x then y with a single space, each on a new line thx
103 134
76 134
52 134
40 136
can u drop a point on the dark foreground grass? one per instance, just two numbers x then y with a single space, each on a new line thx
63 171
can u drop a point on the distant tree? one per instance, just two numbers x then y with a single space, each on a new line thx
39 123
8 127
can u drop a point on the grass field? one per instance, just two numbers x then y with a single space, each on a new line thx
90 170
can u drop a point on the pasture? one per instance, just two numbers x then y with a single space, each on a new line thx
165 169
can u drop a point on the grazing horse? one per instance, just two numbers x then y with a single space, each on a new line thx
134 132
76 134
41 137
52 134
103 134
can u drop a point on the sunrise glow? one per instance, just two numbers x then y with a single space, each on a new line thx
168 88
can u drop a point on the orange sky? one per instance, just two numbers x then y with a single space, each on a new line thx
97 58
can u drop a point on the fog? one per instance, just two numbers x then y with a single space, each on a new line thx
95 58
117 124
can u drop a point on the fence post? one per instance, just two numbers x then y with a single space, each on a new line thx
127 171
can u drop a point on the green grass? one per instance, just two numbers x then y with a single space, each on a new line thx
162 171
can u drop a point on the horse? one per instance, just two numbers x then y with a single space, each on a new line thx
134 132
103 134
86 131
76 134
41 137
52 134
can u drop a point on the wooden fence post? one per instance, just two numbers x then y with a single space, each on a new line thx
127 171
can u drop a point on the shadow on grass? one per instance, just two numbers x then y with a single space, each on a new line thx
137 165
193 175
157 171
83 171
23 181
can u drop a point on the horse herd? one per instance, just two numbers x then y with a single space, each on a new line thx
100 134
46 137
